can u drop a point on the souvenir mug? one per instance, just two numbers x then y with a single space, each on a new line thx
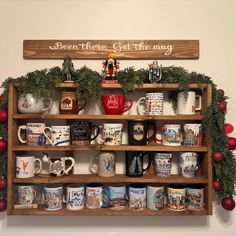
58 166
192 134
71 104
172 135
187 104
104 165
138 132
75 198
112 133
188 164
53 197
27 194
59 135
116 104
137 196
163 163
82 131
117 195
26 166
34 134
153 104
195 197
155 197
96 196
134 163
158 137
176 197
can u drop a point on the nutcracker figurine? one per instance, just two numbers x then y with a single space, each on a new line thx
155 72
110 67
68 71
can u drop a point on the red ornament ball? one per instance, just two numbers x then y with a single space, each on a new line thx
228 128
228 203
3 115
3 183
221 92
1 98
232 143
3 205
217 156
222 106
3 144
216 185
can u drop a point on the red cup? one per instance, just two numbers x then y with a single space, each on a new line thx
116 104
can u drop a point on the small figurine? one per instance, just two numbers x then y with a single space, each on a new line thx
110 67
68 70
155 72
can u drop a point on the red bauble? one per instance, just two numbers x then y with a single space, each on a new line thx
222 106
3 115
232 143
217 156
221 92
216 185
1 98
3 144
228 203
3 205
3 183
228 128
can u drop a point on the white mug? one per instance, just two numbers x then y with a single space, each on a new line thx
26 194
59 135
192 134
75 197
187 105
25 166
153 104
53 197
155 197
172 135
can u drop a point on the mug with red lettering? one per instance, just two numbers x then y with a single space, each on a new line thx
116 104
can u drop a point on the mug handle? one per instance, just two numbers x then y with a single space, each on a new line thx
95 128
84 102
71 166
19 133
149 161
50 104
140 101
130 104
93 168
44 133
105 203
40 165
199 98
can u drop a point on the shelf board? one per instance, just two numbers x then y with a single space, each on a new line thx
108 212
123 147
107 117
119 178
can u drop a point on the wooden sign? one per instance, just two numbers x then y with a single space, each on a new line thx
123 49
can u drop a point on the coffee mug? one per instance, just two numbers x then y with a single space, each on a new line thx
172 135
26 166
82 131
134 163
117 195
112 133
163 163
96 196
158 137
116 104
27 194
195 197
53 197
75 197
138 132
137 196
188 164
34 134
176 197
152 103
187 103
59 135
192 134
104 165
155 197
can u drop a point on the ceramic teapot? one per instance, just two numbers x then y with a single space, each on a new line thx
57 166
29 104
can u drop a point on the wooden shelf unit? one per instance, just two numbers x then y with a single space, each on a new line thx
204 175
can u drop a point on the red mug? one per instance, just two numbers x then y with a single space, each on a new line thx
115 104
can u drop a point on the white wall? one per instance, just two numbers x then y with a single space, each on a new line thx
210 21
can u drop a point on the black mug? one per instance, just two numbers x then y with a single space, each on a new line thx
82 131
134 163
138 132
